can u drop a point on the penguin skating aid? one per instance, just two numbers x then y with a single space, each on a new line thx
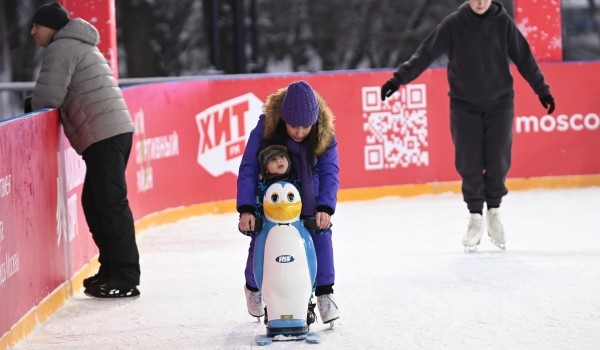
285 266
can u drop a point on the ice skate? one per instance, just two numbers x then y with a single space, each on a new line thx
311 317
328 308
87 282
474 232
255 303
495 228
111 289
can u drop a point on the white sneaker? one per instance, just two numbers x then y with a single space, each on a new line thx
327 308
495 228
255 303
474 232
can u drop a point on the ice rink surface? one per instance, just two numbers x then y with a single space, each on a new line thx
402 282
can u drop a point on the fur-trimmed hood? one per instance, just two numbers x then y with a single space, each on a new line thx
326 132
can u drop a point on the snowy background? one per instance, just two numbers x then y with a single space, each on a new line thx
403 282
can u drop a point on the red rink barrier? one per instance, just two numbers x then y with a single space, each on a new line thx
32 263
189 140
190 135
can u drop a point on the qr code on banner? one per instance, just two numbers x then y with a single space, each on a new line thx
396 129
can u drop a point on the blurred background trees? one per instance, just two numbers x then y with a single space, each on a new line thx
192 37
235 36
160 38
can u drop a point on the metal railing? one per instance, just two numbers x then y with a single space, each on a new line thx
9 110
12 94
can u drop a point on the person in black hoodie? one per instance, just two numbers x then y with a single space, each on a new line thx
479 39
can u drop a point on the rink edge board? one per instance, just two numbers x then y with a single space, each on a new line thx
173 215
57 299
48 306
513 184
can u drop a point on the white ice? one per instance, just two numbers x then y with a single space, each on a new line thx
402 282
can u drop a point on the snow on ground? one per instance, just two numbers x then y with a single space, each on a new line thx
403 282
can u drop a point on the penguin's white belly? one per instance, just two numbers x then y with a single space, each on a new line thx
286 273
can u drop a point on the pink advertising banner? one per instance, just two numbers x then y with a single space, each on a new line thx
191 135
32 262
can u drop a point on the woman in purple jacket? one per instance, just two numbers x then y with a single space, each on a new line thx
299 118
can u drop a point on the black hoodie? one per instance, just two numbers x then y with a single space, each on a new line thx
478 49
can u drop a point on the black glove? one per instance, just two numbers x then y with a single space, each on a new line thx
311 225
258 225
548 102
389 88
27 104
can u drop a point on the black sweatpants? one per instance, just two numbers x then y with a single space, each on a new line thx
482 147
107 211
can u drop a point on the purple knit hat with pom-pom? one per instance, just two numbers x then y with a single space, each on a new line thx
299 106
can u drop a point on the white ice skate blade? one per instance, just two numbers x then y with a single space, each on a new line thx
471 249
499 245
